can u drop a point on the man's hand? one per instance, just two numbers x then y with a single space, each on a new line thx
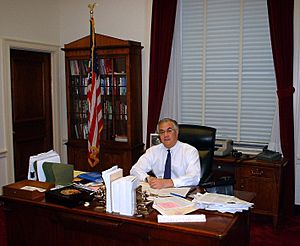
156 183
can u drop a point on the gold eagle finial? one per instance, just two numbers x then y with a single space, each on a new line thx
91 7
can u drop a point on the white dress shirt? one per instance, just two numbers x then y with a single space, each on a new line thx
185 164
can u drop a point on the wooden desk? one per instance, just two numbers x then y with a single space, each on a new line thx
42 223
261 177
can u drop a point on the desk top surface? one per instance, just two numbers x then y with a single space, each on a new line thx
250 160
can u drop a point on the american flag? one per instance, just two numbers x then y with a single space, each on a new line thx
95 123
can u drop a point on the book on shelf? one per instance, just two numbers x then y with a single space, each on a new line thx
120 73
122 85
108 65
102 86
115 86
101 65
85 131
79 67
76 131
121 138
74 69
123 111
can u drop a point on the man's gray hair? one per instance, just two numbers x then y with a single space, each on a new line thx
165 120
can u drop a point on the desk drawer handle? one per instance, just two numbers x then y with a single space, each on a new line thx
257 172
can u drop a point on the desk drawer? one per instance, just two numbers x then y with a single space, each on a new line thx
255 171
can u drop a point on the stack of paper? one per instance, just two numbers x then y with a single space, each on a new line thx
174 205
38 160
124 195
221 203
109 176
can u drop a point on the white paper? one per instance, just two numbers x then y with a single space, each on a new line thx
180 191
222 203
181 218
50 156
128 195
109 176
115 190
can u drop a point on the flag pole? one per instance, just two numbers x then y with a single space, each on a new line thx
95 123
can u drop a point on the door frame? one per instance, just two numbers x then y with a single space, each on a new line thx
7 99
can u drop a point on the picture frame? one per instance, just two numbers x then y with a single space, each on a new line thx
154 139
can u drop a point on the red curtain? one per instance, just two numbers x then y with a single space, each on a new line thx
162 28
281 30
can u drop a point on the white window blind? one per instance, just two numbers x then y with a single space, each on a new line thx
228 79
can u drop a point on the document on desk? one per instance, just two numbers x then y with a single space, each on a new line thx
220 202
173 205
35 170
180 191
181 218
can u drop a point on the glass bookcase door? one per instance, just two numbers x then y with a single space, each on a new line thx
120 102
79 106
114 98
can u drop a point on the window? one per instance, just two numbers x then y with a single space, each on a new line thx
228 79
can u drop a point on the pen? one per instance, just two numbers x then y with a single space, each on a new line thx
174 194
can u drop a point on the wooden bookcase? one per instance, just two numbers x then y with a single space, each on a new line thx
119 63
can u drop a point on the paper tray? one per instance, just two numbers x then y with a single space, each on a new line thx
15 189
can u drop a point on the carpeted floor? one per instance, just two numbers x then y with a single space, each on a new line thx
2 228
261 233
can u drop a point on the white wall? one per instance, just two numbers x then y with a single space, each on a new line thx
30 20
30 24
46 26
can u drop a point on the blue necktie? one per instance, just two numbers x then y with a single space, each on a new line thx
167 174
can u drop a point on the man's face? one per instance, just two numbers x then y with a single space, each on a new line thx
168 135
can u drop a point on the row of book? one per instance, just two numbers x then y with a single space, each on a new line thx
107 87
115 66
81 130
80 91
79 80
120 110
80 67
113 86
105 66
81 108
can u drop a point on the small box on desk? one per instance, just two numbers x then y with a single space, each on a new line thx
69 196
27 189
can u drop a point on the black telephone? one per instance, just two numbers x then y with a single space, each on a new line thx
269 155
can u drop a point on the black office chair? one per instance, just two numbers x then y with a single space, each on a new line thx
203 139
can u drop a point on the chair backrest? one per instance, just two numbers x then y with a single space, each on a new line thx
203 139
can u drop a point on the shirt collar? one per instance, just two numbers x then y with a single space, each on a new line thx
173 148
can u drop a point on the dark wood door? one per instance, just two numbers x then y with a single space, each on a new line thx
31 107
